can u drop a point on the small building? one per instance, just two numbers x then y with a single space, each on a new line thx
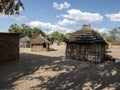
39 44
116 44
9 46
25 42
86 44
62 43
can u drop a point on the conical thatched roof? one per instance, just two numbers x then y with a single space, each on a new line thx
86 35
39 40
25 39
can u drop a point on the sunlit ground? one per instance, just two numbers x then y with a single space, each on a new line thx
51 71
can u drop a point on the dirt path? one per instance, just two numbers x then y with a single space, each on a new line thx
51 71
115 52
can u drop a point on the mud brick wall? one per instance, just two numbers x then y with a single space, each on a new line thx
9 46
38 48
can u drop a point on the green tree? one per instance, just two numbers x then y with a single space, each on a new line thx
115 33
10 7
56 36
36 31
25 30
14 28
67 35
112 35
107 37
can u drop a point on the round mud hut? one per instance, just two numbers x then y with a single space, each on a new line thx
39 44
25 42
87 45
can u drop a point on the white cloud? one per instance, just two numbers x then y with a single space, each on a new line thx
83 17
21 9
48 26
73 17
16 17
61 6
40 24
19 17
101 30
55 27
114 17
2 30
66 22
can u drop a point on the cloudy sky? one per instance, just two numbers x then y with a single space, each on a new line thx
66 15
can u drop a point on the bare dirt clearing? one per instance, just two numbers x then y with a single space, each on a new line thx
51 71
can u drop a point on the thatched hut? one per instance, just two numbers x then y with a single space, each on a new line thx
9 46
39 44
86 44
25 42
116 44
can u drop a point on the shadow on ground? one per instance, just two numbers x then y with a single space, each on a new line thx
13 71
76 75
82 76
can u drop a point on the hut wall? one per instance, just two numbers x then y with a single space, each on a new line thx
89 52
39 48
25 44
9 46
62 43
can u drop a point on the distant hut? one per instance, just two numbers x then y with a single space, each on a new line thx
25 42
62 43
86 44
116 44
39 44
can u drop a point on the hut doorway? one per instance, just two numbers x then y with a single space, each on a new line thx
44 45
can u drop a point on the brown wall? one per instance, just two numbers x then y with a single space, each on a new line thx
9 46
39 48
85 51
62 43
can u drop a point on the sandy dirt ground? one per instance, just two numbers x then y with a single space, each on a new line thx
52 71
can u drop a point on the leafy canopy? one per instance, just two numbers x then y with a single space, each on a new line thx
112 35
10 7
56 36
25 30
67 35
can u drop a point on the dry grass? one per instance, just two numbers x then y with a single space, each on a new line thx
51 71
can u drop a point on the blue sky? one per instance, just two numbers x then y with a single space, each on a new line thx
66 15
